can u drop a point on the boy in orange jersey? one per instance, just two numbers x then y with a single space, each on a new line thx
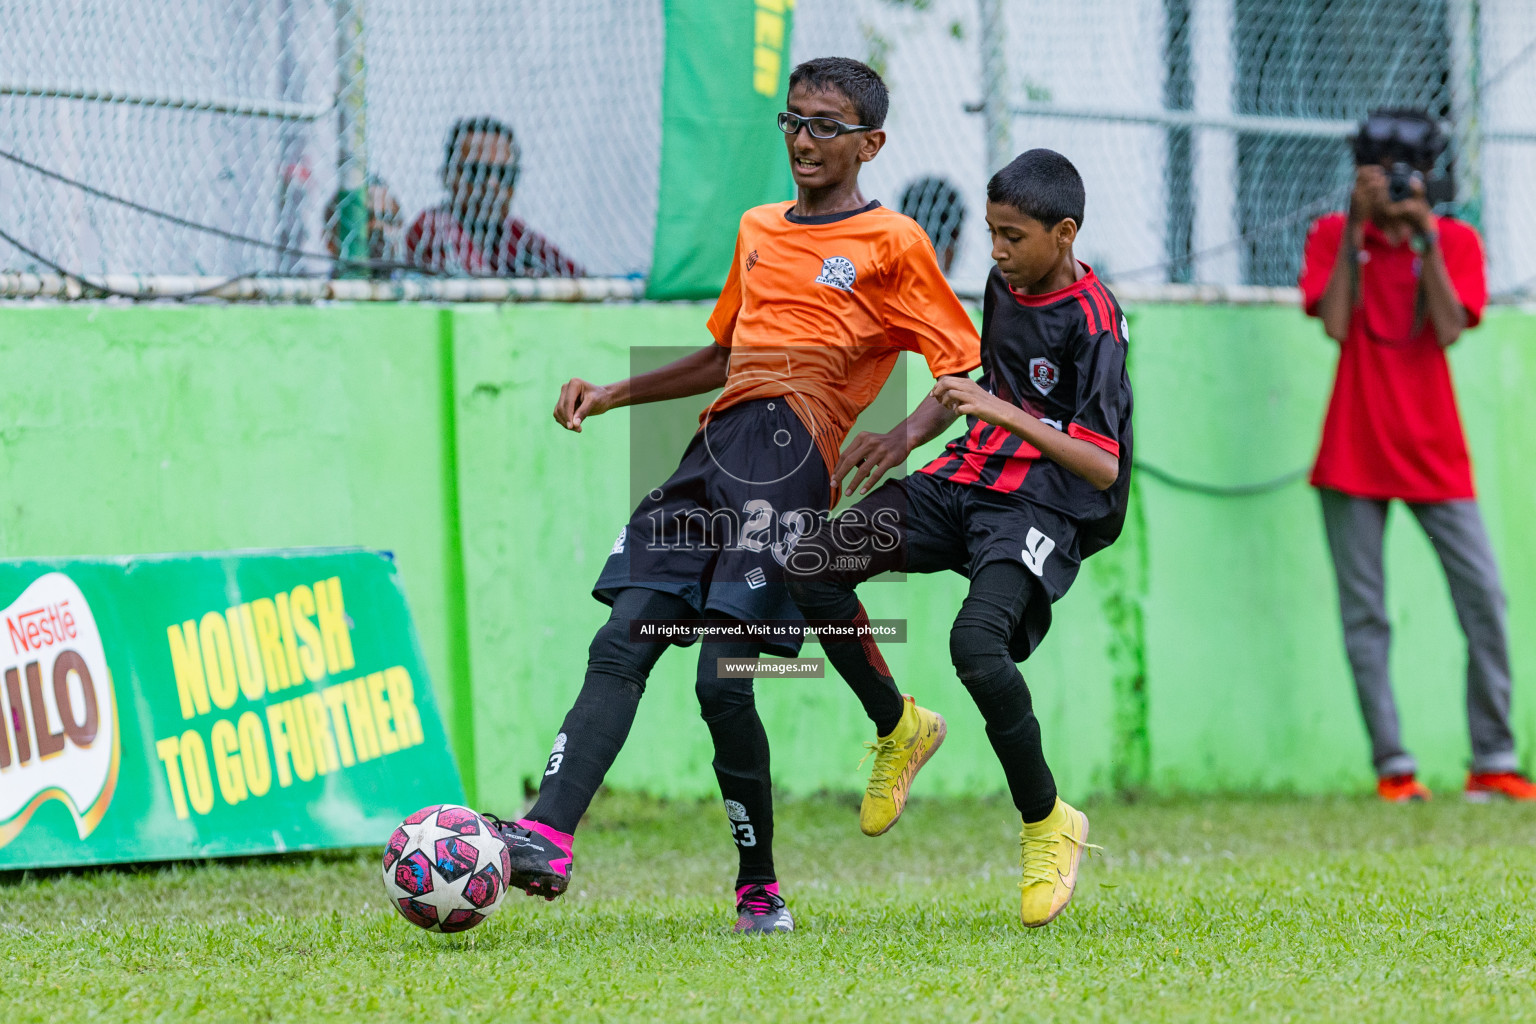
823 295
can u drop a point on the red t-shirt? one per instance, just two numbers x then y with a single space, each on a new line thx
437 241
1392 429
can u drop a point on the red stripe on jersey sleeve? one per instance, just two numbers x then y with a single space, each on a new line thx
1106 311
1109 444
1118 321
1088 314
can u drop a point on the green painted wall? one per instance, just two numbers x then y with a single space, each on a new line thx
1202 652
129 430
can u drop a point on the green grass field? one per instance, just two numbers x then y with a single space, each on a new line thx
1227 909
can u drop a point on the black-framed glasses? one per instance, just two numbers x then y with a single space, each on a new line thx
821 127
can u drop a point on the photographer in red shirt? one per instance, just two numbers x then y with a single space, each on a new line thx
1395 286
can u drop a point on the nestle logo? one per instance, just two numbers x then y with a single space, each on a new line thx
40 627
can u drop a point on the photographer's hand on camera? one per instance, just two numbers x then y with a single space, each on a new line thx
1414 213
1368 195
1336 307
1414 218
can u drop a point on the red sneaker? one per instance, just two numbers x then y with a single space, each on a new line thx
1402 789
1484 786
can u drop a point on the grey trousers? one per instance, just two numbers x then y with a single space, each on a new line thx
1355 532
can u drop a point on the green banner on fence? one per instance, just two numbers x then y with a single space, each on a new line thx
210 705
723 83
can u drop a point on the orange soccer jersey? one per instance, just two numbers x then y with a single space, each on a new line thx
817 309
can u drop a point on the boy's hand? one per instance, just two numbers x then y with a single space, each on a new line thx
871 455
580 399
1369 193
965 397
1415 210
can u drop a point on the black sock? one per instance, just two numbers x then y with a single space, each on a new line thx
597 725
741 759
978 646
857 661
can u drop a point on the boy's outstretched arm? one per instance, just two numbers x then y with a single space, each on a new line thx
965 397
872 454
694 374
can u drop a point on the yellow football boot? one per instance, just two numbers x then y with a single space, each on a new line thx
1049 854
898 756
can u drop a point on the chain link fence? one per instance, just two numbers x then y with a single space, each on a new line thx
234 137
313 138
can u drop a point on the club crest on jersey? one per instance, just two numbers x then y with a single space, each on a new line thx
837 271
1043 374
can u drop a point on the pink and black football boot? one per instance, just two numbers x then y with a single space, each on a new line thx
760 910
538 857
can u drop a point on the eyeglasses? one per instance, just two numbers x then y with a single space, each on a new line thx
821 127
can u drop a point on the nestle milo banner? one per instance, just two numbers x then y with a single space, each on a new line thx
210 705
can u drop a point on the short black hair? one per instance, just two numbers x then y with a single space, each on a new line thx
936 205
482 124
856 80
1042 184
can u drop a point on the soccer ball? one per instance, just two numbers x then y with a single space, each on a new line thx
445 868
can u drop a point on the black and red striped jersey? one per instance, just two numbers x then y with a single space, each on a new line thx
1061 358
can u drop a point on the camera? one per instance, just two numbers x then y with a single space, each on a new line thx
1400 181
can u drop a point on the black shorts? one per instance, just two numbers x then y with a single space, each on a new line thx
922 524
718 531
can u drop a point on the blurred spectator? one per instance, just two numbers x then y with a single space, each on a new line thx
474 232
1395 286
936 205
384 228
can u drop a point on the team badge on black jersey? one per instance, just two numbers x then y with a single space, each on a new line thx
1043 374
837 272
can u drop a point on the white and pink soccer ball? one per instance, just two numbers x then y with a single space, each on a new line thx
445 868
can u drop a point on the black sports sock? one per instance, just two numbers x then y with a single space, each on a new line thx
1030 781
857 661
978 646
741 759
598 723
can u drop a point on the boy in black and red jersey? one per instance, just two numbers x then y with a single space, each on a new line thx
1037 482
823 295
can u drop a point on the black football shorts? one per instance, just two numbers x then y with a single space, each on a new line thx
921 524
717 532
